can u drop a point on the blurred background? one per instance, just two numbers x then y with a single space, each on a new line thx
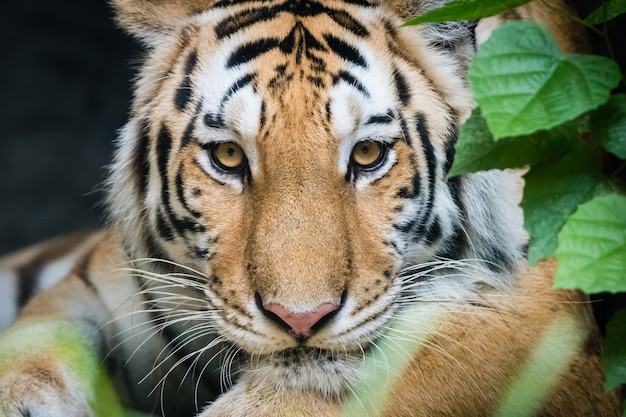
65 88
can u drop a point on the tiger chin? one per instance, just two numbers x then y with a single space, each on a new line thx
284 239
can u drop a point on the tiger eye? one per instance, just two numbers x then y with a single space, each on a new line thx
228 155
367 154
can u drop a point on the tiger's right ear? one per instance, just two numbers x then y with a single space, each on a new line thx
149 20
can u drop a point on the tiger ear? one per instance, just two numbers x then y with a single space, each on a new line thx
458 39
149 20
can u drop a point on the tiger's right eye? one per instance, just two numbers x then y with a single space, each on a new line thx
367 154
228 156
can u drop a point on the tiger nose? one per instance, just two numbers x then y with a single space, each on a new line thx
300 324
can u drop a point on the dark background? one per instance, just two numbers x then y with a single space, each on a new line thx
65 88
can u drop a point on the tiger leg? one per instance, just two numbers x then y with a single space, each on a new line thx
250 399
49 363
48 368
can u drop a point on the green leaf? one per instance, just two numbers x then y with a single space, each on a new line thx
552 192
592 247
608 124
466 10
477 151
523 83
614 352
606 12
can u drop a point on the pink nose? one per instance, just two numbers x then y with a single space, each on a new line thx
301 323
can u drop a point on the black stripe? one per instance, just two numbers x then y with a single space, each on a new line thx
431 162
27 281
203 253
382 119
433 233
523 250
418 225
345 20
181 195
214 120
345 51
242 20
300 42
288 45
312 44
262 115
404 192
163 149
363 3
456 245
395 247
455 184
407 227
185 224
228 3
183 93
496 260
452 138
140 161
317 64
165 231
317 82
402 87
236 86
249 51
406 135
164 144
281 78
352 80
188 133
246 18
153 249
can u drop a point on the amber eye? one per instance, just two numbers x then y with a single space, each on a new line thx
228 156
367 154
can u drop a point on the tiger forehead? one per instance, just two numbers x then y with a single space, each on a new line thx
297 61
251 12
282 44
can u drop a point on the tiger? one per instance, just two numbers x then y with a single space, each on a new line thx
282 220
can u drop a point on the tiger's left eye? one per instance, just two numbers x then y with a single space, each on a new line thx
367 154
228 156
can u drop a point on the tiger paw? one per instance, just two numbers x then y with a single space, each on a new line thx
48 369
261 400
41 390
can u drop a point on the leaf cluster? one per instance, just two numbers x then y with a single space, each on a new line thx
554 115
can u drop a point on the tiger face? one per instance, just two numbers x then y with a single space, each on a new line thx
294 154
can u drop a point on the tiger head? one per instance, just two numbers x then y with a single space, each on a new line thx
294 153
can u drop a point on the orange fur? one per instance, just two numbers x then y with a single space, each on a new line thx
507 326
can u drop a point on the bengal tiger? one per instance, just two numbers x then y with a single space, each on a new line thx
285 241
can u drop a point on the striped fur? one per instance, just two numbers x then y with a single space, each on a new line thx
176 296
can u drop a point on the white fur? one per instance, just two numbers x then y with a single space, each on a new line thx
8 298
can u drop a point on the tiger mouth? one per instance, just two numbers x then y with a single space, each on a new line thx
328 372
305 353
